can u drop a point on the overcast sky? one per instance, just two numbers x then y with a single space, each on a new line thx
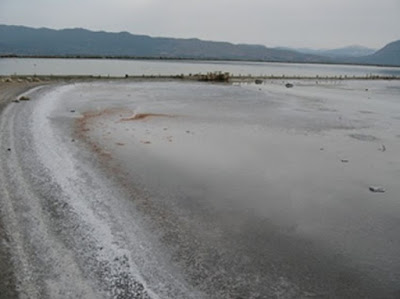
294 23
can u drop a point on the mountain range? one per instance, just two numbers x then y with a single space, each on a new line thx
349 51
77 42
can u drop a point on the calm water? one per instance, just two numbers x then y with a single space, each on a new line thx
14 66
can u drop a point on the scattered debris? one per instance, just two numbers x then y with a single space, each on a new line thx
24 98
382 148
289 85
143 116
377 189
258 81
364 137
366 112
216 76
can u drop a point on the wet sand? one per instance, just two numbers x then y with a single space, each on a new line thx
8 92
193 190
266 187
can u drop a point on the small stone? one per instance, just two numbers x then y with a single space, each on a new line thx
72 111
289 85
9 149
344 161
24 98
377 189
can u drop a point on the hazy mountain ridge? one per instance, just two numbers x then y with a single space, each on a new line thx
349 51
388 55
21 40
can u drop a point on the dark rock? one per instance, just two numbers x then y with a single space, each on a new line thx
24 98
258 81
289 85
377 189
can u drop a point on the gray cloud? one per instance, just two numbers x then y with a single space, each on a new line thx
305 23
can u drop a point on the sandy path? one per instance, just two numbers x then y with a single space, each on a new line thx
8 93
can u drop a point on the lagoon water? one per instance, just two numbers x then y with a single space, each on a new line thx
249 189
118 67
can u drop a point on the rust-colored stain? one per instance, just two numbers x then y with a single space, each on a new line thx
82 127
144 116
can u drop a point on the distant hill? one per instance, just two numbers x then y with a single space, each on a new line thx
26 41
350 51
21 40
388 55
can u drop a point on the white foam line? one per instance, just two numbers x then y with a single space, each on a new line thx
62 165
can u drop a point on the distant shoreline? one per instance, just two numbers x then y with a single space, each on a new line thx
208 77
105 57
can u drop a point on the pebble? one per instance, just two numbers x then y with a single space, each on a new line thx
377 189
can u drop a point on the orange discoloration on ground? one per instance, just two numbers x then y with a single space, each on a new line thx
144 116
82 127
